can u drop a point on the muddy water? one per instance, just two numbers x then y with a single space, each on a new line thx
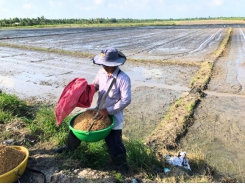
44 69
143 42
229 70
219 132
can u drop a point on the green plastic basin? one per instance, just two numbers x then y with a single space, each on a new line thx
92 136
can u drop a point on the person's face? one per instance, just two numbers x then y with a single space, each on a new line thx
109 69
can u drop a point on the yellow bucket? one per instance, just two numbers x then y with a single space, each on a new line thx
12 175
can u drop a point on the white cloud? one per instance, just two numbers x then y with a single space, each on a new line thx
55 3
111 5
51 3
98 2
217 2
27 6
131 4
87 8
3 7
181 8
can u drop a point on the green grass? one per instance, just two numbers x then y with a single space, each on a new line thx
11 106
141 158
95 155
5 116
42 124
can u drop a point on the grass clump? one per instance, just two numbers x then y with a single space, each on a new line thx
223 44
11 106
44 125
141 157
174 124
39 119
203 76
95 155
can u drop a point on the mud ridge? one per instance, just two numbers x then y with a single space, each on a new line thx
57 34
166 62
58 51
176 122
88 55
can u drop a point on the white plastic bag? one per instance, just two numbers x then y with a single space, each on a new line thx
179 160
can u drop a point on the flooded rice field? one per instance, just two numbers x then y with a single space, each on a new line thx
140 43
42 77
219 123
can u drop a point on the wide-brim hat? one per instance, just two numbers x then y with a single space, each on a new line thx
110 57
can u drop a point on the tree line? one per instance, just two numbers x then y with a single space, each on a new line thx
44 21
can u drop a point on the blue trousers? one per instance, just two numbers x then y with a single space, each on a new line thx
113 141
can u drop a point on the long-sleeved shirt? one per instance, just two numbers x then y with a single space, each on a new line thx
119 96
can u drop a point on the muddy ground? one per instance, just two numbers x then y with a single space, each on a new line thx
172 43
42 77
219 124
218 128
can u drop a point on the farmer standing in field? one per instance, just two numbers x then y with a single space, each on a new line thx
118 98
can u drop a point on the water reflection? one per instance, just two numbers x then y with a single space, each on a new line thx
6 82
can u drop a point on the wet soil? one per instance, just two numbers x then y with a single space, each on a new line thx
218 127
45 79
41 77
219 132
169 43
229 71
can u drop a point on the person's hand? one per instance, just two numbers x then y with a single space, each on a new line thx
103 113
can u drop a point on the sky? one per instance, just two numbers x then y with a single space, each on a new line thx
135 9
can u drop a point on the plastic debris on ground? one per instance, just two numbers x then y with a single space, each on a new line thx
181 160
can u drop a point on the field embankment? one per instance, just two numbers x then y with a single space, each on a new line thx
176 122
